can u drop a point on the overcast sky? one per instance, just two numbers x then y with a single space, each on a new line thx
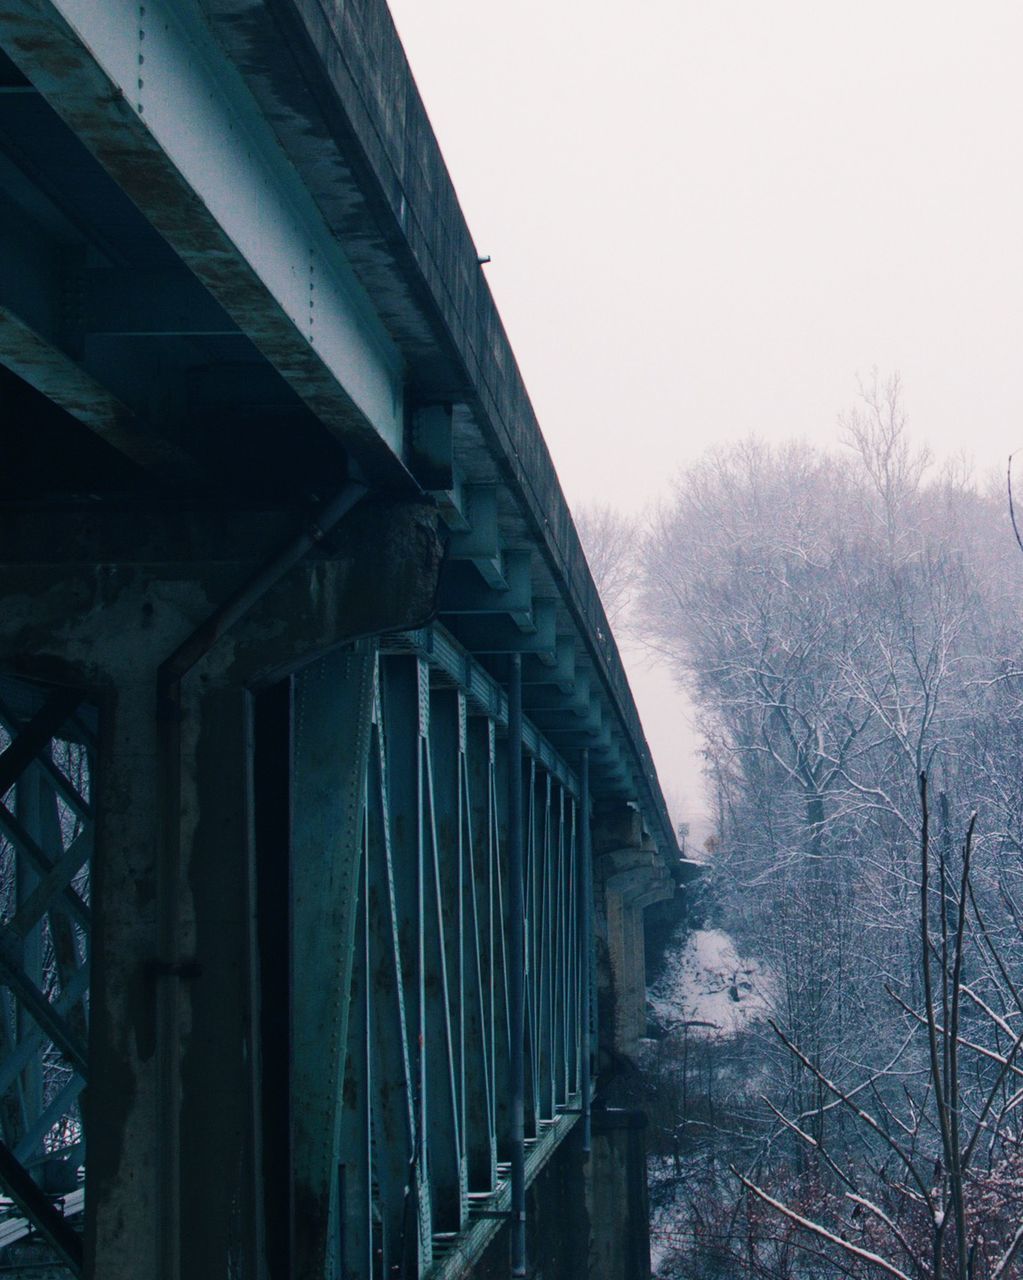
707 217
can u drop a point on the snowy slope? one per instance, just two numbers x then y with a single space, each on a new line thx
707 981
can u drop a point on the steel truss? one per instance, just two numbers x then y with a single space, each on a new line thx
426 1119
47 755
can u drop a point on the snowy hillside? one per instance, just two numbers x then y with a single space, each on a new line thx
705 981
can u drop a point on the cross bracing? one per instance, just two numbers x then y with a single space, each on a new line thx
46 844
424 1125
422 1185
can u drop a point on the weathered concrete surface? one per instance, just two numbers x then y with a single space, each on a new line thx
619 1214
587 1214
557 1222
629 876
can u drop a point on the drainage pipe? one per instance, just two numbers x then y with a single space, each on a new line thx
586 946
517 967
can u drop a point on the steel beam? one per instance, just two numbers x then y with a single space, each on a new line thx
403 1208
44 366
483 937
481 542
462 593
444 821
54 1228
497 635
333 710
135 303
150 91
517 945
405 712
586 1002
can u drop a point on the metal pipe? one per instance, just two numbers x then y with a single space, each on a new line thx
586 943
517 967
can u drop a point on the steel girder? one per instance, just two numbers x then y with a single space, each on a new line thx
152 94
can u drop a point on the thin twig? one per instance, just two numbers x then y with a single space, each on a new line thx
811 1142
893 1228
1012 509
1009 1254
864 1116
863 1254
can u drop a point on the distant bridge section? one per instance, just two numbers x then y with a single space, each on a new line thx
328 822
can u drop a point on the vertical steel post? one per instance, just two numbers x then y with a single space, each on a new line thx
28 805
516 965
586 941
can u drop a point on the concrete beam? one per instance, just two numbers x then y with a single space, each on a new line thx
382 576
90 534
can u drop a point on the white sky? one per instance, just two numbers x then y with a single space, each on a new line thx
706 217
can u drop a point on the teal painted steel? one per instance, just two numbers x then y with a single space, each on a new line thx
192 148
427 1126
46 845
332 720
587 994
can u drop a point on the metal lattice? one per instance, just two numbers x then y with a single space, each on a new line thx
47 762
426 1126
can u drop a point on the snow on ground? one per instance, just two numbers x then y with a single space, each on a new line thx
707 981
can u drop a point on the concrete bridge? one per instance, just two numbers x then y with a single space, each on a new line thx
328 823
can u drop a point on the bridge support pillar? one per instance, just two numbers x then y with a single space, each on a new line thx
629 876
586 1213
619 1244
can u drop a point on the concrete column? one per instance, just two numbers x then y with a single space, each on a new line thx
619 1214
629 875
122 1099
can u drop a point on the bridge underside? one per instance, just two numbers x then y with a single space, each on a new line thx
327 822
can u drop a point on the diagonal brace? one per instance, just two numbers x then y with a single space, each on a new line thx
31 739
51 1224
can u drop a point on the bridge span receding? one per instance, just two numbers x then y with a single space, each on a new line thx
328 822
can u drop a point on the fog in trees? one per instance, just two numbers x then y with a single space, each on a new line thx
846 620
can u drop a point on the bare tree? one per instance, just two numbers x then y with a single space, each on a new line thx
609 539
933 1214
846 622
